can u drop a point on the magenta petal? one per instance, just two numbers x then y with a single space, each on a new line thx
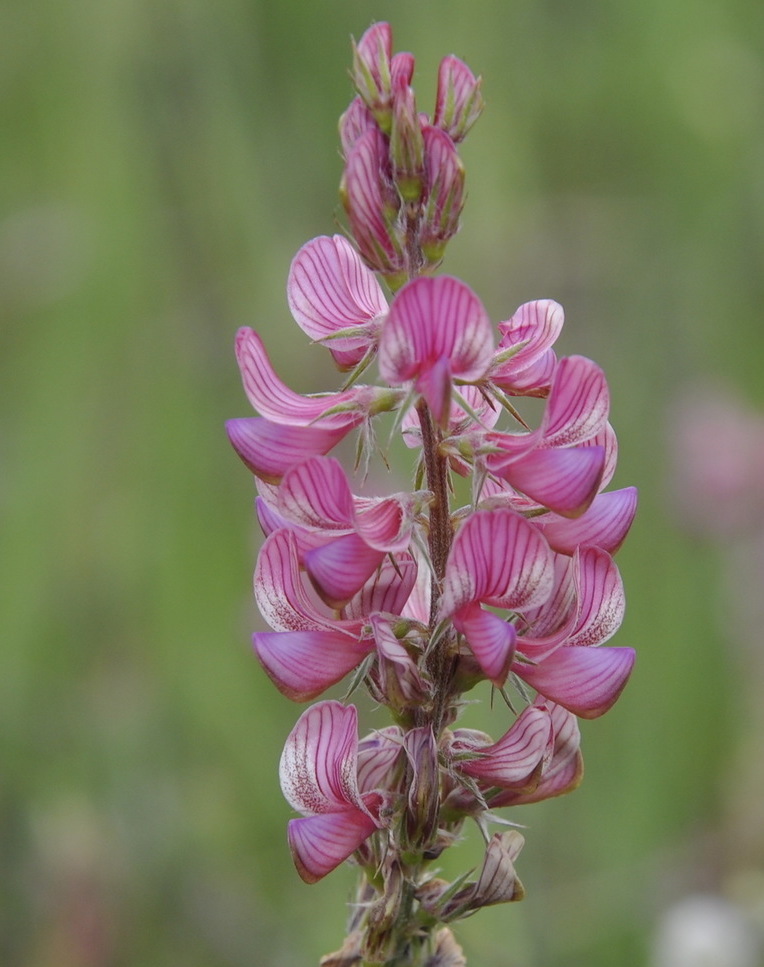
513 759
318 765
578 405
605 524
270 449
385 524
491 640
587 681
388 590
303 664
340 568
329 289
320 843
500 558
315 493
564 480
275 400
433 319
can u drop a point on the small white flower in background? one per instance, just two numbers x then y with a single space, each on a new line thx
706 931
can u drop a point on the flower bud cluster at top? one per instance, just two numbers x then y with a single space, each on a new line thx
412 598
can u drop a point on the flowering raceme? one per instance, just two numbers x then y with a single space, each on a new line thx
415 599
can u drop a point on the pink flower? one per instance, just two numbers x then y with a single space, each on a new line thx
437 330
525 362
319 778
501 560
331 291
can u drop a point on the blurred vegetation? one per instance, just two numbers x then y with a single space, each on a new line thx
162 161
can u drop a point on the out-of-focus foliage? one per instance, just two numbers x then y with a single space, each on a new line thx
162 161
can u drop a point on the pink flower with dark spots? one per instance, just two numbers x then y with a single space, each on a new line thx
319 778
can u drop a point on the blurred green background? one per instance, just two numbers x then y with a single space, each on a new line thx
162 161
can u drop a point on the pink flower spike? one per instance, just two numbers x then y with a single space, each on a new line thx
435 324
329 289
605 524
586 681
513 761
303 664
500 559
458 102
318 773
565 479
270 449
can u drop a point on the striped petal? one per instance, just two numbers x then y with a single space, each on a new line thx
586 681
513 760
341 567
565 480
535 327
578 404
499 558
435 319
315 493
303 664
270 449
320 843
605 524
491 640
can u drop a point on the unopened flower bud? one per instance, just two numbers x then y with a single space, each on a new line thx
444 178
371 71
353 123
458 103
406 143
424 790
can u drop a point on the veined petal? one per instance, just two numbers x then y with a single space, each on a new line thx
316 493
565 480
498 558
601 599
270 449
535 326
277 402
329 288
578 404
385 524
605 524
432 319
388 590
341 567
512 761
320 843
303 664
587 681
491 640
458 101
378 756
318 765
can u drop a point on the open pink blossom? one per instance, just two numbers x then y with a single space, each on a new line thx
330 291
318 773
436 331
310 647
497 559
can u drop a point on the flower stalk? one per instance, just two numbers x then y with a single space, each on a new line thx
415 599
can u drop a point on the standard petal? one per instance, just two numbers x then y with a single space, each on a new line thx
433 319
587 681
578 405
601 598
491 640
270 449
565 480
534 328
497 557
277 402
605 524
316 493
303 664
318 765
512 761
320 843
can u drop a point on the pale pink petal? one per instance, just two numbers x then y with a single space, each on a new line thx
353 123
433 319
491 640
535 326
434 384
514 758
578 404
587 681
378 755
277 402
499 558
303 664
315 493
565 480
317 770
341 567
270 449
388 590
385 524
329 288
605 524
601 598
320 843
